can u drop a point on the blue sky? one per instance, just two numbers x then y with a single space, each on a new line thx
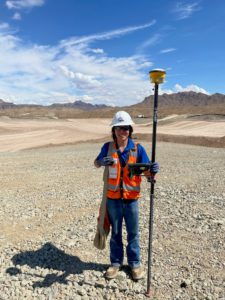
100 51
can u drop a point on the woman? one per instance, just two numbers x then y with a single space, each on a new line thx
123 193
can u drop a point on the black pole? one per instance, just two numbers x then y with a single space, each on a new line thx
152 192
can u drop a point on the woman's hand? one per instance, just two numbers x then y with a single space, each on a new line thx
154 168
106 161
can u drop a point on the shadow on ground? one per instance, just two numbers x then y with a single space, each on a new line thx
51 258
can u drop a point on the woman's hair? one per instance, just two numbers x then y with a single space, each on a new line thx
114 135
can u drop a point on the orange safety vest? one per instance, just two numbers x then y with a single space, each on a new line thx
120 185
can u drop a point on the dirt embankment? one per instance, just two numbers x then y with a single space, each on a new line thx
19 134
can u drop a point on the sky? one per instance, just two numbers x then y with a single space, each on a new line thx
101 51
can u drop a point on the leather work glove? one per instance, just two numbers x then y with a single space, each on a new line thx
106 161
154 168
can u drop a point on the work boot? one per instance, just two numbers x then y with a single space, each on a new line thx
137 273
112 272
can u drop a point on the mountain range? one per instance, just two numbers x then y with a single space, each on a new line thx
177 103
184 103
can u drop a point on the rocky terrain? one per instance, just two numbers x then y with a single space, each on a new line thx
49 205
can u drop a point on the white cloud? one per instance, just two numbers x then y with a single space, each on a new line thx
105 35
167 50
21 4
58 96
149 42
191 87
184 10
81 81
17 16
4 26
67 72
100 51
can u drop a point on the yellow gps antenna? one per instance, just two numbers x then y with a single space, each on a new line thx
157 77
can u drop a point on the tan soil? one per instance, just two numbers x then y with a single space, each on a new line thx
17 134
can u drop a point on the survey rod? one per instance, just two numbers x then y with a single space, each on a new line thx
157 77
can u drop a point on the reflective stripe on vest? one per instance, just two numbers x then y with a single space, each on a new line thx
131 188
113 187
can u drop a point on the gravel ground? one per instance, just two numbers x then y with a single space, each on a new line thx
49 204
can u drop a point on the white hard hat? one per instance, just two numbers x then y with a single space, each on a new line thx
121 118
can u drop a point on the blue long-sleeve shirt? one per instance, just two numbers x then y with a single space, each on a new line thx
142 156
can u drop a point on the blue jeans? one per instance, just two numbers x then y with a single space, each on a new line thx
117 211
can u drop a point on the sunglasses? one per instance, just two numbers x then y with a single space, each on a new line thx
125 128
